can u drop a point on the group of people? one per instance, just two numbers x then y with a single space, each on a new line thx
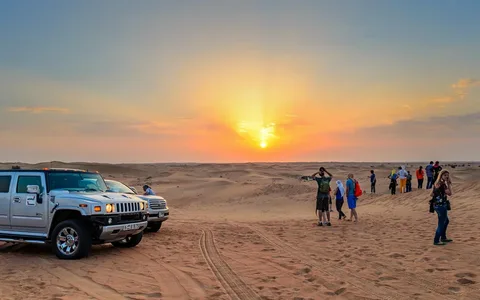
437 178
324 198
431 171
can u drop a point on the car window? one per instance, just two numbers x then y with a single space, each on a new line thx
25 180
118 187
5 183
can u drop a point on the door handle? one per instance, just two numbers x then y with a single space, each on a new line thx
16 199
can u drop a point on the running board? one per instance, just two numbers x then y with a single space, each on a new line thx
20 240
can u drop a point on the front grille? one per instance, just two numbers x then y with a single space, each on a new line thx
130 217
128 207
157 204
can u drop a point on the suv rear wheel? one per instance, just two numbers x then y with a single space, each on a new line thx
130 241
71 240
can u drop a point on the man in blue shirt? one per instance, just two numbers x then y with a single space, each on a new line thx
351 199
373 181
429 172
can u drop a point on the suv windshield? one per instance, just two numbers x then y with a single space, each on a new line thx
76 182
118 187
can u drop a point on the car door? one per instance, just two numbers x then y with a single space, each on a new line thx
26 213
5 190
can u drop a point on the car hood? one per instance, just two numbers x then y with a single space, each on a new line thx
150 197
98 197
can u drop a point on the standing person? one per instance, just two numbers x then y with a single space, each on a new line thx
420 174
351 199
393 182
409 182
429 171
402 175
330 199
323 196
436 170
148 190
441 189
339 199
373 181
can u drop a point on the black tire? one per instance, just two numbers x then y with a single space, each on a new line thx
154 227
71 234
130 241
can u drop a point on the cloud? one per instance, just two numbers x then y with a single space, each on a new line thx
429 131
38 109
462 86
444 100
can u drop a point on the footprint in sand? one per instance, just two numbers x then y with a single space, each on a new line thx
396 255
387 278
454 290
465 281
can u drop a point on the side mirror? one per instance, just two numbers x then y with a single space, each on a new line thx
35 189
134 189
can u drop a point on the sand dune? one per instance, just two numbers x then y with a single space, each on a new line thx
246 231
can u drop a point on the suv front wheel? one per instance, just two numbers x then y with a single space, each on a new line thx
130 241
154 227
71 240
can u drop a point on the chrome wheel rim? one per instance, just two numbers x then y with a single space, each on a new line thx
67 241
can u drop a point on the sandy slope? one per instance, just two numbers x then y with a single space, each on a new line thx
246 232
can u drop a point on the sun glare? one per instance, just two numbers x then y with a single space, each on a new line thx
257 133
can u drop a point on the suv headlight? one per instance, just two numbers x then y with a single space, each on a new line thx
142 205
109 208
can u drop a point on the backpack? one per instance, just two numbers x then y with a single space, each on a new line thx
358 191
324 186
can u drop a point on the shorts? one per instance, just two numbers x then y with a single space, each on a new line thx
322 203
351 201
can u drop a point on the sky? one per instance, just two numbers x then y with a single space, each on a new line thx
239 81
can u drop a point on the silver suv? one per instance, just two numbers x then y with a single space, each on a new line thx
69 209
158 210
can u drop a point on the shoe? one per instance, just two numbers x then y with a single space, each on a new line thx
439 244
329 224
320 224
446 240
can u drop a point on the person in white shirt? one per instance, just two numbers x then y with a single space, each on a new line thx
402 175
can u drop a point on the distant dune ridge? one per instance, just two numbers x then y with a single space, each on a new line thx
246 231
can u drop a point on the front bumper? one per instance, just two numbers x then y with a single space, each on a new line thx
118 232
159 215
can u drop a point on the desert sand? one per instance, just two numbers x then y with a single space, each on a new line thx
246 231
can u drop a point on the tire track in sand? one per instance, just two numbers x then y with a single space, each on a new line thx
329 278
233 285
169 281
83 284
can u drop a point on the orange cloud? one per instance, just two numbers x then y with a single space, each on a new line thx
462 86
38 109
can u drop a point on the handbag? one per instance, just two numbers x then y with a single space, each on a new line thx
448 205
